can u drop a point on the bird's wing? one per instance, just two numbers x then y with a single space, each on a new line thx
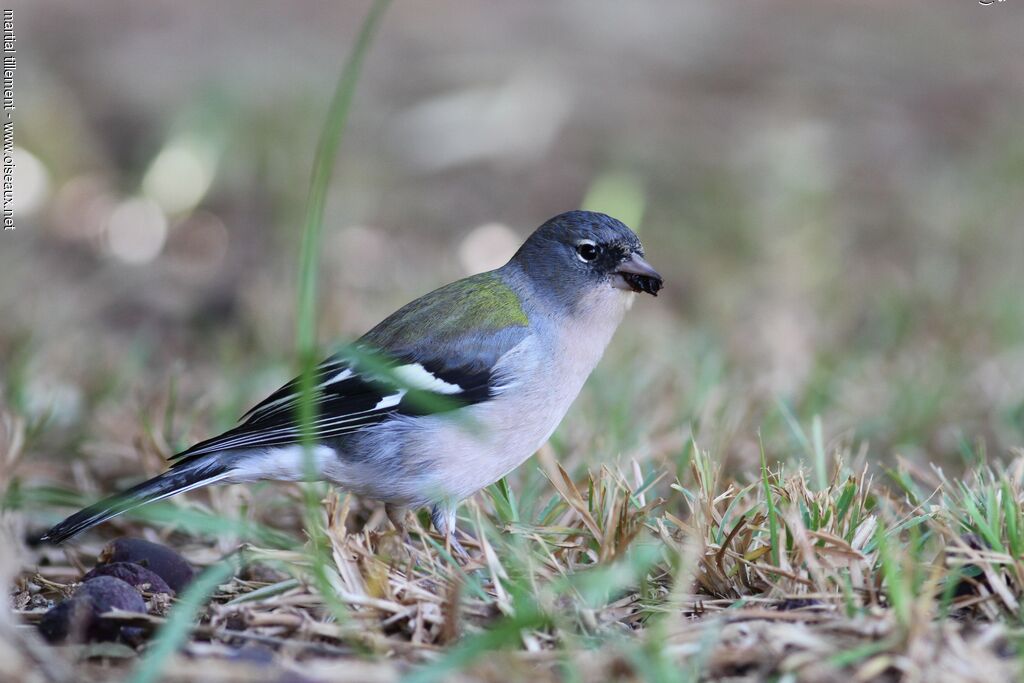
392 370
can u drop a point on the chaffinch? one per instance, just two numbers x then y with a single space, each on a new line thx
445 396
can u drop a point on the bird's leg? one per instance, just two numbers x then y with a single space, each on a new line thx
443 517
396 514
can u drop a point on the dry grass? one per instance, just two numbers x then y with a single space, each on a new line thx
623 575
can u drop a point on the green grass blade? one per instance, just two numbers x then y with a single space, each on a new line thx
820 466
309 262
794 426
179 622
981 523
769 501
896 586
323 168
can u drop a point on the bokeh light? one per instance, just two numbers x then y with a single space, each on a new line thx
31 182
487 247
136 231
180 175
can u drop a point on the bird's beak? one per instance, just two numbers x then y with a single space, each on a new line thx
637 275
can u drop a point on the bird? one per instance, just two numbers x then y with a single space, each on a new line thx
444 397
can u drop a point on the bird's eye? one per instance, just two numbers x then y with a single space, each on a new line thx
587 251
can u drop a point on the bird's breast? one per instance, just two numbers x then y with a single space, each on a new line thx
542 376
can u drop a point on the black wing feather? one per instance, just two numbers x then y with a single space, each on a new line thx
342 406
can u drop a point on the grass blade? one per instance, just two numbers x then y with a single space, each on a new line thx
773 515
309 266
179 622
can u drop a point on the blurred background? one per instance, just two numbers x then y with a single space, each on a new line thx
833 192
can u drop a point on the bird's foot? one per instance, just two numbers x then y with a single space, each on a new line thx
453 544
443 518
397 515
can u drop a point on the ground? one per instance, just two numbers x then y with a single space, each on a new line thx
619 575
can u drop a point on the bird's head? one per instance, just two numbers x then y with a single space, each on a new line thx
579 250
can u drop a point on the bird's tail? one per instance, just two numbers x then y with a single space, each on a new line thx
184 476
